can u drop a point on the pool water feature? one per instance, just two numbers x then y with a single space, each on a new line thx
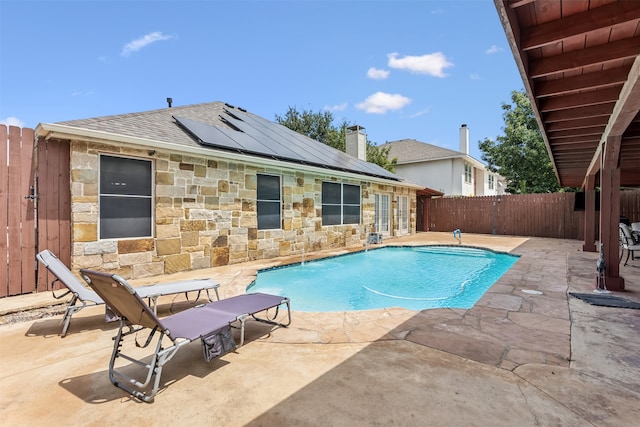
415 278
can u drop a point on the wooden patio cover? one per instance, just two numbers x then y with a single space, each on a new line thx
580 64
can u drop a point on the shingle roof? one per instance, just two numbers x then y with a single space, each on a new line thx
411 151
219 126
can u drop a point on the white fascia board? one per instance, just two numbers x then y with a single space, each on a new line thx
58 131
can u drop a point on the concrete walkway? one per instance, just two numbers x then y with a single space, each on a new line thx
526 354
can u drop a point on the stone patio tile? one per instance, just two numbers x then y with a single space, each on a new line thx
506 302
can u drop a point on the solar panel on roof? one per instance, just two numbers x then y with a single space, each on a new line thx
262 137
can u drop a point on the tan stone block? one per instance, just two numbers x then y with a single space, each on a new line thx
251 182
221 241
247 221
167 246
164 202
175 263
286 224
175 157
137 245
248 206
219 256
223 185
135 258
109 258
200 171
207 190
165 231
190 238
284 248
162 165
91 261
164 178
85 232
193 225
85 199
147 270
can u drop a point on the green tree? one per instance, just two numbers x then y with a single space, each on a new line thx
319 126
520 155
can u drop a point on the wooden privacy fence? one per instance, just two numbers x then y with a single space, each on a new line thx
17 219
540 215
32 218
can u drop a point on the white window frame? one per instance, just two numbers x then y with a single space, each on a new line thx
382 215
277 201
105 196
468 170
342 204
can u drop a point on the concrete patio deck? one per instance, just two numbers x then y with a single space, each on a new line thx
515 359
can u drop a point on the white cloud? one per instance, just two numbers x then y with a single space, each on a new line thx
474 76
380 103
144 41
493 49
433 64
337 107
377 74
12 121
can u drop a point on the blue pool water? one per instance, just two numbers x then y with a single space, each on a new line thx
415 278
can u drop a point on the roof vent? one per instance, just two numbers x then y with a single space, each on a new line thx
169 101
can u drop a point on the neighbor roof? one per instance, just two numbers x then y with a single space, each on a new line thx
221 126
412 151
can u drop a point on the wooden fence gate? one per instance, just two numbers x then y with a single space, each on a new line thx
35 205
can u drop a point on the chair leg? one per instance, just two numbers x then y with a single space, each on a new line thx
627 260
66 319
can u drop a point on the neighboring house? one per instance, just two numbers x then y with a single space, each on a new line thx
454 173
205 185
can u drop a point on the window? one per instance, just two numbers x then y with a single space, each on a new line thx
340 203
125 197
268 202
491 181
467 173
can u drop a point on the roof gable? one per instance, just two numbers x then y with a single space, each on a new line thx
411 151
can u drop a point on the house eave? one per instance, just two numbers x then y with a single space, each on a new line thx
64 132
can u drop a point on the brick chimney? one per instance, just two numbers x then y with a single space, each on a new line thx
356 142
464 139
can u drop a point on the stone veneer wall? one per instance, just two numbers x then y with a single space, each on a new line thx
205 215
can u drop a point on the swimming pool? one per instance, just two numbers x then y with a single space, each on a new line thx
415 278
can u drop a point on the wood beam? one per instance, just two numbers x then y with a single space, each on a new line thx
592 97
605 78
574 25
617 50
580 113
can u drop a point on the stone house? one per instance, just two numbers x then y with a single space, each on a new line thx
204 185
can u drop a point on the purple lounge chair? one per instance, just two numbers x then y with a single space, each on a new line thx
208 322
88 298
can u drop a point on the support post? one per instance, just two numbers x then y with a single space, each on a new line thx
590 215
610 212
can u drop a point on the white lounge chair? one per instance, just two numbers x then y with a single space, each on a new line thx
88 298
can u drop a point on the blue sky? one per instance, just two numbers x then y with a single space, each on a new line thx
401 69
